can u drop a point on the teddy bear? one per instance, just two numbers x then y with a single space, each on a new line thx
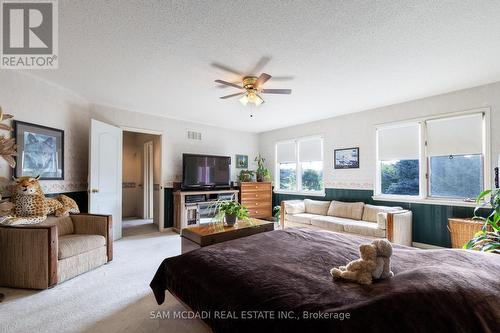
384 252
359 270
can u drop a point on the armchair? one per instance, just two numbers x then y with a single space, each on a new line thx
41 255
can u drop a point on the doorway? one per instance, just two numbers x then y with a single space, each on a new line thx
141 183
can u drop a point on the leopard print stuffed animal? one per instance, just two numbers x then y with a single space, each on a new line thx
31 205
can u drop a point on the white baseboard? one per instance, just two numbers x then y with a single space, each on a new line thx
426 246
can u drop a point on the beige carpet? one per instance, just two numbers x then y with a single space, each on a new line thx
113 298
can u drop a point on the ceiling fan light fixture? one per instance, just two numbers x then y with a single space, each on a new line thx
244 100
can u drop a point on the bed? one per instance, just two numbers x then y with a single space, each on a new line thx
279 281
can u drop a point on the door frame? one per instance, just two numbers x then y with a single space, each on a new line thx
148 175
161 218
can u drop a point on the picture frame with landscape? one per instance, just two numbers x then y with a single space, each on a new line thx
346 158
40 151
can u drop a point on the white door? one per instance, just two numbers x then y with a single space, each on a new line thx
148 180
105 173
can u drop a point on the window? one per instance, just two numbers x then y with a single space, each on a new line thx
433 158
455 159
299 165
399 151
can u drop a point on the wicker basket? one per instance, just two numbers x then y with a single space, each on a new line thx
463 230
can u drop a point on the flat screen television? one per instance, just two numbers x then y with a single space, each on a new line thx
205 171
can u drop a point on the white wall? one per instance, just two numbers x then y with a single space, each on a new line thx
358 130
215 140
37 101
33 100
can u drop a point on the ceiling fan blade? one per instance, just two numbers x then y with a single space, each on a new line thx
260 65
263 78
226 68
283 78
229 84
222 86
277 91
232 95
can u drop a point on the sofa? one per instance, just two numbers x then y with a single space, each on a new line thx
393 223
38 256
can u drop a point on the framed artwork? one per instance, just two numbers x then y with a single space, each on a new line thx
347 158
40 151
242 161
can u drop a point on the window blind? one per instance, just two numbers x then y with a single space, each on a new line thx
460 135
311 150
286 153
399 143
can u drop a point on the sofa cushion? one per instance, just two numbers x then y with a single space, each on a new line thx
304 218
295 207
316 206
382 220
64 224
349 210
364 228
73 245
331 222
370 212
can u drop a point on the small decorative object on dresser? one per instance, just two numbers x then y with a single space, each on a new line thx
257 197
262 173
347 158
40 151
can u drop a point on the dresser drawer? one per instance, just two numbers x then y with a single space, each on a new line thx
256 196
260 212
256 204
255 187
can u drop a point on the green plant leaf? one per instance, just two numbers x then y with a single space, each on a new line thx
482 195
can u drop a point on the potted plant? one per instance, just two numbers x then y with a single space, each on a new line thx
232 211
277 214
488 238
263 174
246 176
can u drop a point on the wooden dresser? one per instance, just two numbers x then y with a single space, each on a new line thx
258 198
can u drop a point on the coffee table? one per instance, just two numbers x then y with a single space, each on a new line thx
200 236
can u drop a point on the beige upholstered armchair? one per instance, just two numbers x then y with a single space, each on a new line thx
41 255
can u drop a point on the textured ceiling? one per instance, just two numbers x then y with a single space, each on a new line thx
346 56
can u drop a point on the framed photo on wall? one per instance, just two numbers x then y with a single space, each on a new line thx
346 158
40 151
242 161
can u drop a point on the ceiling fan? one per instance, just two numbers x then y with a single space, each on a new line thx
252 87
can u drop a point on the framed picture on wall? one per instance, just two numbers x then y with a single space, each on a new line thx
242 161
40 151
346 158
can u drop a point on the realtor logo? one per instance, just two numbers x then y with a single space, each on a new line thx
29 34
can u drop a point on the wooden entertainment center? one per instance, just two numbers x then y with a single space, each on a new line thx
192 208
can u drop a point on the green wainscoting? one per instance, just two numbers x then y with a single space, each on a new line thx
168 207
429 221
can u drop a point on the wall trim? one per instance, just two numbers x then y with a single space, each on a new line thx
426 246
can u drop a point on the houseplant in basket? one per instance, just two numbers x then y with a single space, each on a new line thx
488 238
232 211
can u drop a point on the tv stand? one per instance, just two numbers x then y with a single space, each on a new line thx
192 208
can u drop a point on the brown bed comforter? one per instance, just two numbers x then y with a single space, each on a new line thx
288 270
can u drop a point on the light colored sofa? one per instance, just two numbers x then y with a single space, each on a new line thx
393 223
38 256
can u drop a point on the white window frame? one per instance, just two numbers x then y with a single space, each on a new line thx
424 182
298 167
